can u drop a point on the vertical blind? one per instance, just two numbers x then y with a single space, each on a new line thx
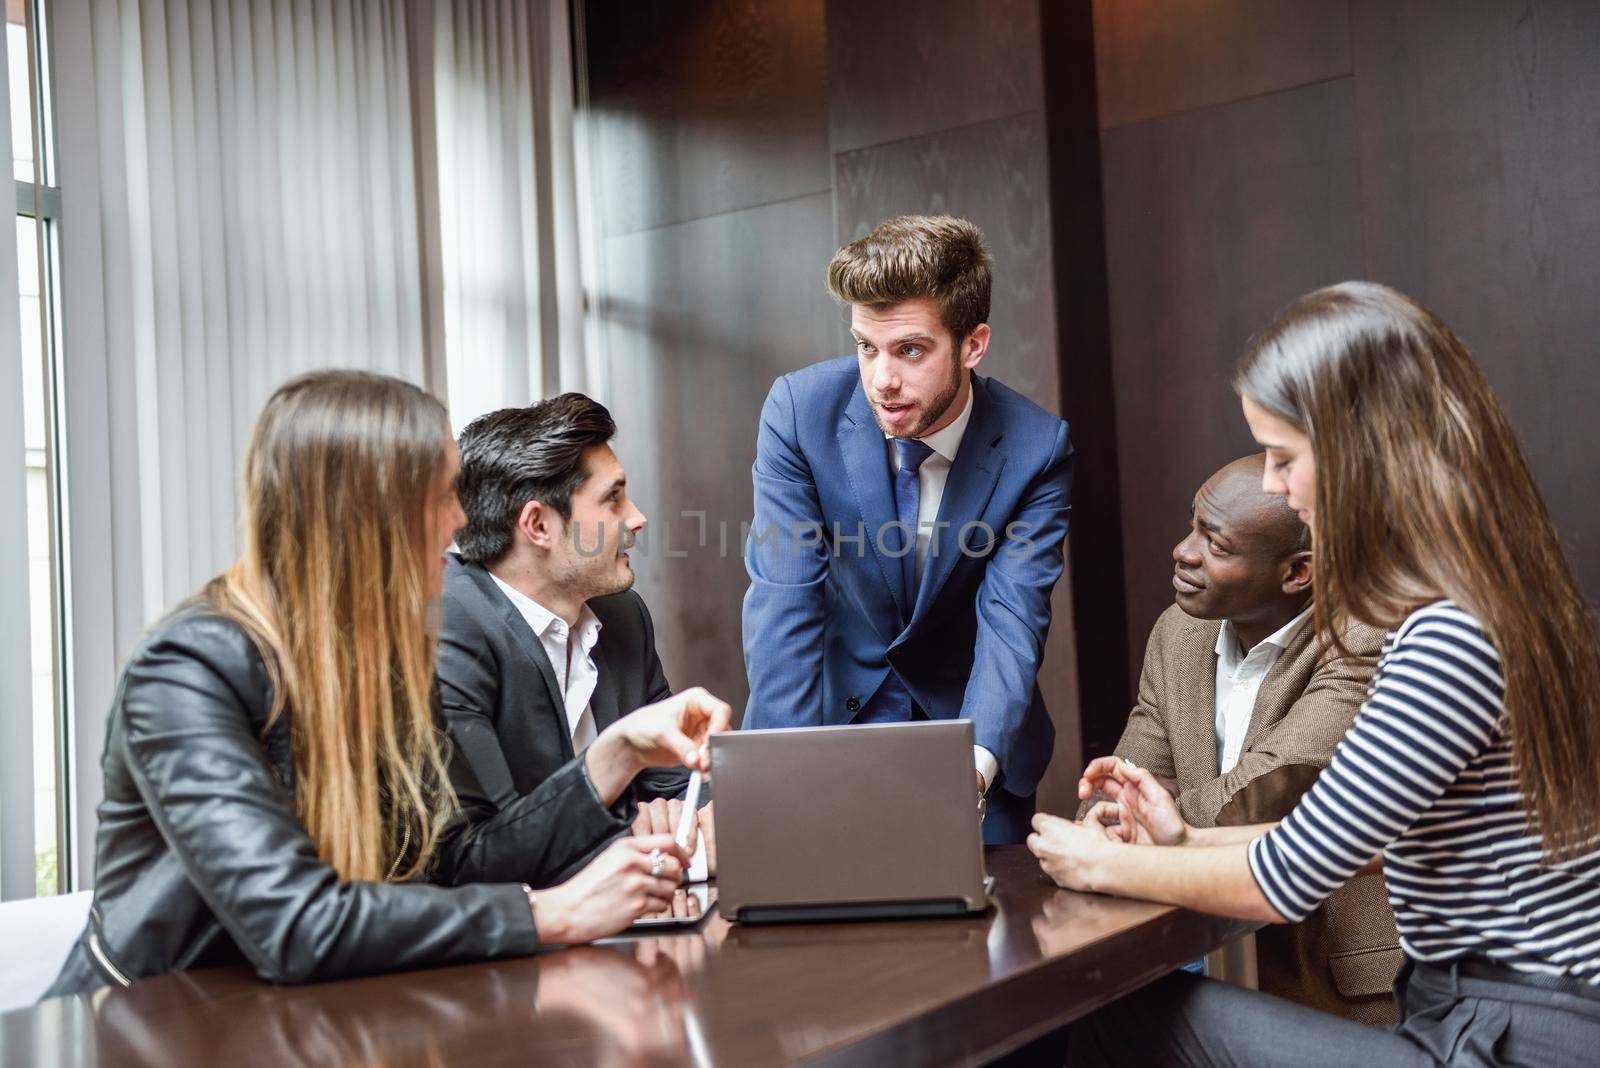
508 223
241 180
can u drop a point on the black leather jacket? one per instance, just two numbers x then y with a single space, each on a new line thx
200 859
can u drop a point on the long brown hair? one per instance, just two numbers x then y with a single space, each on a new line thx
333 586
1422 492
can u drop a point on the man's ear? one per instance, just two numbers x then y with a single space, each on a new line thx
1297 572
974 346
536 524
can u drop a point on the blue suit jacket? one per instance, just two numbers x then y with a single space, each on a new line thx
823 618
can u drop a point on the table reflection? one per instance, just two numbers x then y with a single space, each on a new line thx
588 1005
702 994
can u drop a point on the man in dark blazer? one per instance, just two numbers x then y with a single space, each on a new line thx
1240 707
909 521
543 644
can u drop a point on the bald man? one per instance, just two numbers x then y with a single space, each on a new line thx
1239 709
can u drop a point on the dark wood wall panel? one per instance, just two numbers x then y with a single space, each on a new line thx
1162 57
707 107
1480 172
736 144
1213 220
898 69
699 319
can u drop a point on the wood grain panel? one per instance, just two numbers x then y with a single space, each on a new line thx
1088 389
1479 161
699 319
899 69
705 107
1213 220
994 174
1163 57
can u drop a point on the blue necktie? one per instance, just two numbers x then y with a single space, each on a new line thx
892 704
907 497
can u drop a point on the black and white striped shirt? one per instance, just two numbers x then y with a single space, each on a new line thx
1425 774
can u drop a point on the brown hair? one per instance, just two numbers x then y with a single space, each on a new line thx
1422 492
911 256
334 588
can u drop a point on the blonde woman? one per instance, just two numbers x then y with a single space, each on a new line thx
1469 775
279 787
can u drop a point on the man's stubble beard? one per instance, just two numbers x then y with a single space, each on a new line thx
936 407
589 574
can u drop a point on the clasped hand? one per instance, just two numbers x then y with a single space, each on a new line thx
1143 812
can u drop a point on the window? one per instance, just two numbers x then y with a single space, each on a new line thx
37 217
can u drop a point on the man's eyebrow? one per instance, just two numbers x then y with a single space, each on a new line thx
622 480
1205 524
924 339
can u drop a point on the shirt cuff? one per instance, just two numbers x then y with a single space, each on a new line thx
986 764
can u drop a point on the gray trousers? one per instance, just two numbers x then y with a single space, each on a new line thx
1445 1018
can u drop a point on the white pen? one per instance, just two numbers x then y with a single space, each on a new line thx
691 800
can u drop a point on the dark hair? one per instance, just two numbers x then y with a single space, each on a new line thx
517 455
937 256
1422 492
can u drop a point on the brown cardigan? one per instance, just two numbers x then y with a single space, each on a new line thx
1343 958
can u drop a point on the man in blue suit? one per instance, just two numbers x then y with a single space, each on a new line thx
851 619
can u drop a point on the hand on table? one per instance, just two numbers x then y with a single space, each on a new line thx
611 891
661 816
1069 852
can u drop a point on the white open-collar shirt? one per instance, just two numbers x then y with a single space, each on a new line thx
1239 678
572 659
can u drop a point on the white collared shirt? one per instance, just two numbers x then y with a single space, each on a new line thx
574 667
931 477
1239 679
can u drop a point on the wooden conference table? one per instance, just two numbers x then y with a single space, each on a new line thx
906 992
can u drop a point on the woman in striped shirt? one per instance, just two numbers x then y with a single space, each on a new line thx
1470 773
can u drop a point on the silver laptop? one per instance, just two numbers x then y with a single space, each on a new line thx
869 821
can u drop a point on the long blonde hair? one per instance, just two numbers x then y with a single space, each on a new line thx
333 585
1423 492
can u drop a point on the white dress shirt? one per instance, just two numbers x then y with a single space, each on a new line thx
573 662
1239 678
932 476
576 675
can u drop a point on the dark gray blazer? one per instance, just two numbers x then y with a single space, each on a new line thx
500 694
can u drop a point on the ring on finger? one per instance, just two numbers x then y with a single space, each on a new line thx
657 863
